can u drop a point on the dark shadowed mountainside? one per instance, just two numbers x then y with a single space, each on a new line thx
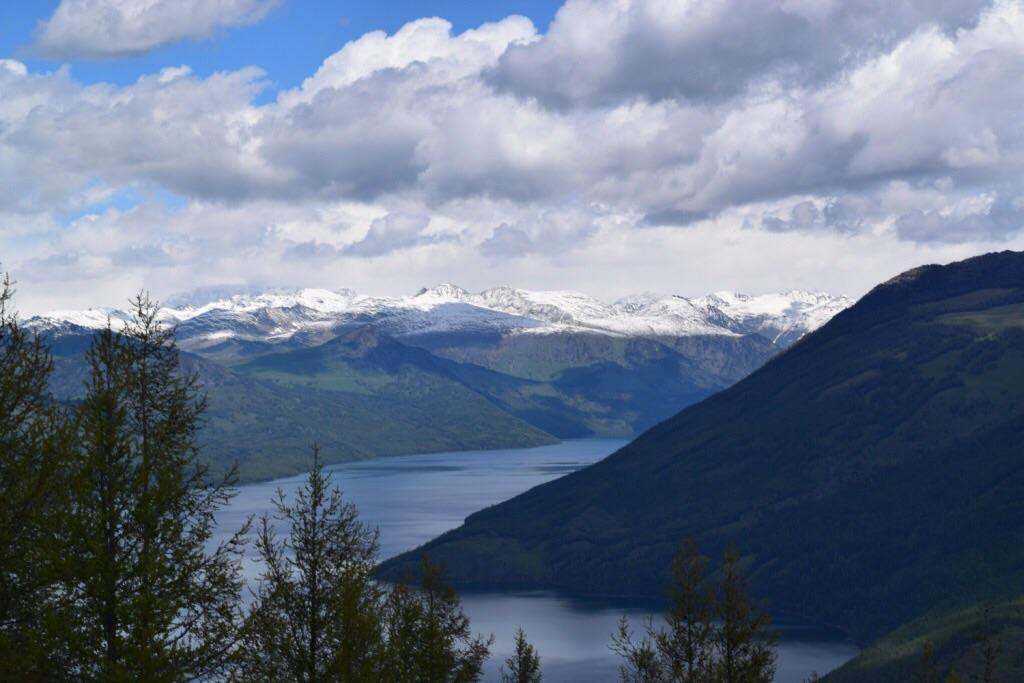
871 473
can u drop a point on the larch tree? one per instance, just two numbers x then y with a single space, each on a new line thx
523 665
317 610
712 634
686 645
146 594
641 661
745 644
989 644
682 651
319 615
428 635
32 435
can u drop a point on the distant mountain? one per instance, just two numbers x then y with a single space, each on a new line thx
373 397
306 317
871 473
449 369
596 398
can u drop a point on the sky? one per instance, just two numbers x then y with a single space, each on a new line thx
605 146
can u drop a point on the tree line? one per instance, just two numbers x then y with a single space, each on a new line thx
110 570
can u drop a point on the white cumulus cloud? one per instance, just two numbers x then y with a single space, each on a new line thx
111 28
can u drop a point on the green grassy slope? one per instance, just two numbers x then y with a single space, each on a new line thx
356 406
365 394
870 473
621 387
710 361
955 637
596 384
268 429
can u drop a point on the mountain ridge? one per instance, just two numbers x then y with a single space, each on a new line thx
279 316
868 472
527 367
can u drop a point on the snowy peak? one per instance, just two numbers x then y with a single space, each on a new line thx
91 318
313 300
782 318
443 291
312 315
556 307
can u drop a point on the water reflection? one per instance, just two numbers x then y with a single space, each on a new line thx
412 499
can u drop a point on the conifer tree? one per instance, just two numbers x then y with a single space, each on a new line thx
144 597
642 662
746 647
523 665
686 646
31 481
320 616
925 671
428 635
989 644
317 614
693 648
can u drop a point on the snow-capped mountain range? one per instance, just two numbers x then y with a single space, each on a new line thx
279 316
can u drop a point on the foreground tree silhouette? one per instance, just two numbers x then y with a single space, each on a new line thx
684 650
428 635
686 645
142 596
745 646
989 644
107 568
319 615
642 662
317 610
31 483
523 666
693 647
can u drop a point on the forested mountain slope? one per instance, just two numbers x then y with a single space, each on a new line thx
501 369
265 421
567 364
872 472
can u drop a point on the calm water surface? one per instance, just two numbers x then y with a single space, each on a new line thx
412 499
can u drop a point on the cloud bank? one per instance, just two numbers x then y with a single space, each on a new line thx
637 144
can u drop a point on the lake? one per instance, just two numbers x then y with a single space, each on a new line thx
413 498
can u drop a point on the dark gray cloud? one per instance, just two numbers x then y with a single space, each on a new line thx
804 216
356 142
547 232
507 242
61 267
603 51
1004 217
394 232
676 217
311 252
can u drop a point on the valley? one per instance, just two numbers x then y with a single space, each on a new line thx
871 473
549 341
445 369
414 498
